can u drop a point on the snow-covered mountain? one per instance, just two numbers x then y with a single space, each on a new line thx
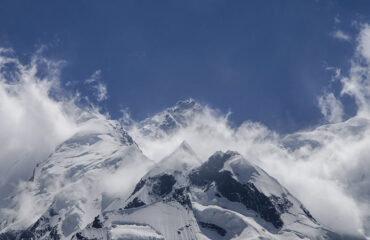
171 119
68 189
226 197
99 185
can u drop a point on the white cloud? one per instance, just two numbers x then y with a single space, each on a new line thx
95 77
36 114
336 71
308 171
339 34
331 108
363 47
32 122
337 20
326 167
126 117
357 83
99 88
101 91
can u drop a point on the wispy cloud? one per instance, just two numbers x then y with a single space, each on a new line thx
101 91
307 163
95 77
331 108
99 88
36 115
363 47
326 167
32 122
337 20
339 34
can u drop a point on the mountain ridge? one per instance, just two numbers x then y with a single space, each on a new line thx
162 192
99 184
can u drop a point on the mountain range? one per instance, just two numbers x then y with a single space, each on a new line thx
99 184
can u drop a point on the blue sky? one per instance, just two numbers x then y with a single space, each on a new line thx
265 61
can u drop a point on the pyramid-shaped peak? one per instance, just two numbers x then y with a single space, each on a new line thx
182 157
222 157
184 146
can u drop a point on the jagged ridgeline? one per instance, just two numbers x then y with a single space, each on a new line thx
181 197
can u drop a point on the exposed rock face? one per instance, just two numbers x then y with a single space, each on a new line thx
181 197
171 119
212 201
244 193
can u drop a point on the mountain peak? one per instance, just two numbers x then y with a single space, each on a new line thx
183 158
209 202
186 104
171 119
185 147
219 158
68 186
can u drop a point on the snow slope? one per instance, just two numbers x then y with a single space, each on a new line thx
226 197
171 119
86 190
69 188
